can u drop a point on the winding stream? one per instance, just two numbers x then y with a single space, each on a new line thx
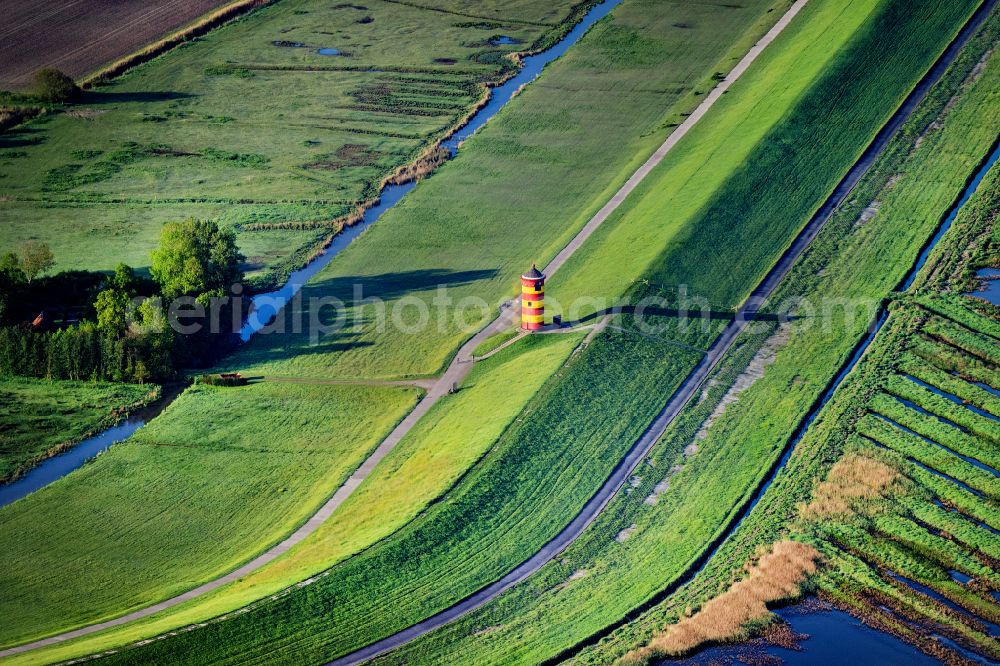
267 305
58 466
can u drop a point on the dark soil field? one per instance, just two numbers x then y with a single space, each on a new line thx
78 36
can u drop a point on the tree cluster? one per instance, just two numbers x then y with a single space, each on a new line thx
115 327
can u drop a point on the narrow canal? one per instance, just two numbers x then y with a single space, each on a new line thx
826 632
267 305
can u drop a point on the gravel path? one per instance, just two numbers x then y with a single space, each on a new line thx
453 376
689 388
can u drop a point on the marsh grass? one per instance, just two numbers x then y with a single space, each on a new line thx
777 576
854 477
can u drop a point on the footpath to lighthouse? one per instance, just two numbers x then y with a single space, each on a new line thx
457 370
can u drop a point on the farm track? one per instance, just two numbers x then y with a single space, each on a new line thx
462 363
689 388
403 383
459 368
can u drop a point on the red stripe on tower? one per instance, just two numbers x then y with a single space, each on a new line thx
532 300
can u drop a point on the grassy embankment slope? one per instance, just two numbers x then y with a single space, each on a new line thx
40 418
459 431
866 250
293 620
251 125
699 44
717 452
520 189
537 474
192 495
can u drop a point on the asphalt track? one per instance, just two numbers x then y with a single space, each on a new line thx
689 388
463 361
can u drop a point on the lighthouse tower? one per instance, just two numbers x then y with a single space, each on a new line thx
532 300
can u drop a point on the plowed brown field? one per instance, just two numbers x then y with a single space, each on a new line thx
78 36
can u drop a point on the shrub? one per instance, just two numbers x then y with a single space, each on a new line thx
53 86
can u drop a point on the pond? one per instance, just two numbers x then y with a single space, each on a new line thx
818 635
989 287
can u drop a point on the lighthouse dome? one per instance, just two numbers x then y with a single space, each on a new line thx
533 274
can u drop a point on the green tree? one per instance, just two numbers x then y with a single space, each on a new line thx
196 257
10 266
11 279
36 258
113 302
54 86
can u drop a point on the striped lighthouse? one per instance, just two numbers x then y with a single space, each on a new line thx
532 300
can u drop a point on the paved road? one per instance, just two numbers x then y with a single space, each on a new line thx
689 388
462 363
453 376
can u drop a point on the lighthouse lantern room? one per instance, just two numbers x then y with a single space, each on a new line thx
532 300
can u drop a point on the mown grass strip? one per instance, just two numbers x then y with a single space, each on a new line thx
974 537
543 469
194 494
970 341
935 457
929 427
968 392
947 308
952 359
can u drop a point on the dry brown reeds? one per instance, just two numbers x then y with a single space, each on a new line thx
854 477
777 576
430 160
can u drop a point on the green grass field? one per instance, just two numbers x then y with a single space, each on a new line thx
40 418
914 183
252 125
704 183
219 476
518 190
430 460
622 95
480 507
542 469
717 213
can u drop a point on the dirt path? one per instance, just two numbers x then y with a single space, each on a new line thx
689 388
453 376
